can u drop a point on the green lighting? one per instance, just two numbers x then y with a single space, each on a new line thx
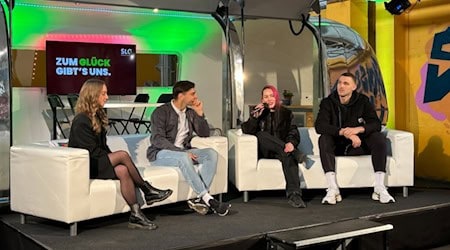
148 12
322 23
174 34
162 31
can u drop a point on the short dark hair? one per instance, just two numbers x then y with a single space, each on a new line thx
348 74
181 87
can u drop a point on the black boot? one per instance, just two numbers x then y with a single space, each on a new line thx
153 194
139 220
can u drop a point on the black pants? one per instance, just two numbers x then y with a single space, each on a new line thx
331 146
271 147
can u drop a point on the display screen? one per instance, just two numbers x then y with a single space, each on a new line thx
70 64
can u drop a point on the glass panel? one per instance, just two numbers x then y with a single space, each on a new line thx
5 110
274 55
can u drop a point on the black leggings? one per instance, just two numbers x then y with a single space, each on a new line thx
271 147
374 144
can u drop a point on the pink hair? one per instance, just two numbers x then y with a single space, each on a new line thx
275 94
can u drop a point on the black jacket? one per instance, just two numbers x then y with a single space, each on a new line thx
283 125
359 111
165 127
83 136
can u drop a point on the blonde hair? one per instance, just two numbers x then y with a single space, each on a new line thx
88 103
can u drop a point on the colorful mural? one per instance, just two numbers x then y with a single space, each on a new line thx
435 78
432 100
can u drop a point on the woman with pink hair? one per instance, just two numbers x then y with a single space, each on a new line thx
278 138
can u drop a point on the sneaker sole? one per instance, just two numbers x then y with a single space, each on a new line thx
338 198
296 205
160 199
199 208
138 226
376 197
223 214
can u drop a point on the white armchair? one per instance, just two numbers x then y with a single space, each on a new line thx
248 173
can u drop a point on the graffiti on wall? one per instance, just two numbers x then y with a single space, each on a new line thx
431 96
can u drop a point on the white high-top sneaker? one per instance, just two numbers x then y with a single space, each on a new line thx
381 194
332 196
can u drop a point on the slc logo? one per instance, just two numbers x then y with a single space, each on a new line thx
126 52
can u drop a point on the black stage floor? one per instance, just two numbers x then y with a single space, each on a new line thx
179 228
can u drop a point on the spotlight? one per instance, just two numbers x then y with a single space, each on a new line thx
397 7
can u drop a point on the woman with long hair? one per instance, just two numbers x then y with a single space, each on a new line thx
278 138
88 132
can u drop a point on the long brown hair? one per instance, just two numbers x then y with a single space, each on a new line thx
88 103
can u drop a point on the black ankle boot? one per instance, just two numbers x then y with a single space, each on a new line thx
153 194
139 220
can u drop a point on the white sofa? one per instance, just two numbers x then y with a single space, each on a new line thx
248 173
52 182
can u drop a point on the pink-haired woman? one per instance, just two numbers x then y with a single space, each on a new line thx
278 138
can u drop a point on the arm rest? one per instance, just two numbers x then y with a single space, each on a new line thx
243 155
220 145
50 182
402 149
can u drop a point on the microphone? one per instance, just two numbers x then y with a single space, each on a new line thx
256 111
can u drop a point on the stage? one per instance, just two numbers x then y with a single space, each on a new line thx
422 220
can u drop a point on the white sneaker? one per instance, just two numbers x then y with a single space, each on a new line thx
381 194
332 197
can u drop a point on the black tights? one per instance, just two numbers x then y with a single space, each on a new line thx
128 175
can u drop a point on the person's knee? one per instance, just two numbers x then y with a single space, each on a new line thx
121 171
379 141
184 160
326 141
123 154
212 154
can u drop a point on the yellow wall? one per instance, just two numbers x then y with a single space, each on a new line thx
403 46
415 33
352 13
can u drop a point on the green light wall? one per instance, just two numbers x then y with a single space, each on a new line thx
175 34
164 31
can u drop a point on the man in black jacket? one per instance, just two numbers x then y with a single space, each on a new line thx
278 138
348 125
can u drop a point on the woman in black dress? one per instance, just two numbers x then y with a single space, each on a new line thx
88 131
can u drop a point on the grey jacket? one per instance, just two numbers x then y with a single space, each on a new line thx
164 129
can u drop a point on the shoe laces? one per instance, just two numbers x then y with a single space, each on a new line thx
381 190
332 192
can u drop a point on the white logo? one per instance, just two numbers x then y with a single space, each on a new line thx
126 52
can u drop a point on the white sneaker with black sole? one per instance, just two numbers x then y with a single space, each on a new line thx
333 196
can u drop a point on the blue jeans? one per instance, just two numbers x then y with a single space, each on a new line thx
200 181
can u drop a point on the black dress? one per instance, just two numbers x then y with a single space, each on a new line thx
83 136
